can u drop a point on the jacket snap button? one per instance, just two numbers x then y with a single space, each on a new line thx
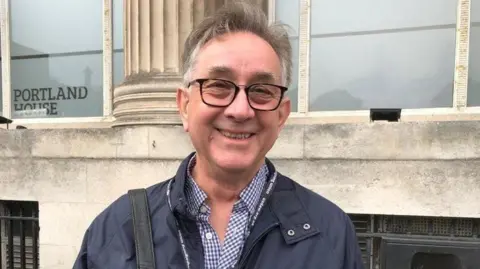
291 232
306 226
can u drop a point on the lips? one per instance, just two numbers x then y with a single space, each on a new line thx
235 135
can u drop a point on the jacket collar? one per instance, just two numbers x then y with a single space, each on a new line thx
177 193
284 207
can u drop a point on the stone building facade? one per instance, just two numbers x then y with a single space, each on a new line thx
423 167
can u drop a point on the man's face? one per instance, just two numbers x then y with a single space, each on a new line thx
244 59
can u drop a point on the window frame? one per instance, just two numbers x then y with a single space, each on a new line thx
458 110
105 119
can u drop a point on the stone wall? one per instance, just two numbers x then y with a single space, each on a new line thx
428 168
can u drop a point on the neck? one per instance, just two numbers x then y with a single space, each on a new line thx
221 186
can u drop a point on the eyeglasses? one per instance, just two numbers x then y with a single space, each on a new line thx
221 93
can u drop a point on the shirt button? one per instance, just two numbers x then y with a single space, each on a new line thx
208 236
203 209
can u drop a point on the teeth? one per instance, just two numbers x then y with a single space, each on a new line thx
236 136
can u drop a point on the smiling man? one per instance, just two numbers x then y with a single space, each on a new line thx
227 206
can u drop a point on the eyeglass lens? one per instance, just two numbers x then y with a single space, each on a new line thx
221 93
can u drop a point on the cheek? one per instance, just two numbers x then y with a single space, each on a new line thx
269 125
200 124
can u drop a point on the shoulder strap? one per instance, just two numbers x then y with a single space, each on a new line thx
142 229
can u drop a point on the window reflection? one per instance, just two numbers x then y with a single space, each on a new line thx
399 55
473 97
288 12
1 90
56 61
118 60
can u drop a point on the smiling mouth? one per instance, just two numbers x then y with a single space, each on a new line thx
238 136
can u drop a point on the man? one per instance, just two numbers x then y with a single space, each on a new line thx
227 203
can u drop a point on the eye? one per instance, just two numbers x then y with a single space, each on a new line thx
263 90
219 84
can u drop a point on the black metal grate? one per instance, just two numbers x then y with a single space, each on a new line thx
19 235
428 226
362 226
371 229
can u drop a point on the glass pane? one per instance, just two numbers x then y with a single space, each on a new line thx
118 69
400 54
56 61
1 88
473 97
288 12
293 89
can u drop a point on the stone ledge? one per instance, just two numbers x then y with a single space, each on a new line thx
402 140
142 142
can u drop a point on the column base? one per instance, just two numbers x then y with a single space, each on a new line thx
147 99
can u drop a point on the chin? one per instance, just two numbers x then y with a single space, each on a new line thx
234 162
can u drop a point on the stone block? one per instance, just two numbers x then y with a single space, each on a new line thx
57 257
133 142
65 224
15 143
43 180
430 188
289 144
76 143
169 142
401 140
108 179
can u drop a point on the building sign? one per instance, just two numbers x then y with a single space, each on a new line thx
57 87
46 99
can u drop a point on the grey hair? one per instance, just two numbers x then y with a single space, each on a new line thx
238 17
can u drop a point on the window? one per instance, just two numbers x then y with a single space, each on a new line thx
19 234
56 67
473 98
1 84
400 54
288 12
118 69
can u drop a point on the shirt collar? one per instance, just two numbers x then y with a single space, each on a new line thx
249 196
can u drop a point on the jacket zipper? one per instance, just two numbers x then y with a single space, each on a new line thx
249 250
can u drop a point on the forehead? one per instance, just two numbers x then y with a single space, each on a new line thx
240 56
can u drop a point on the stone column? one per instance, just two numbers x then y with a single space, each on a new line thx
155 31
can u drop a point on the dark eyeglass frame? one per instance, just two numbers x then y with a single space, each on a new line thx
200 82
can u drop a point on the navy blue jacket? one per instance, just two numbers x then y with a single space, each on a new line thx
327 242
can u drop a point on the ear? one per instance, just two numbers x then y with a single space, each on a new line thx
182 105
283 112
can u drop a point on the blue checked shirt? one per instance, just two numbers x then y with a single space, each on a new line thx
216 255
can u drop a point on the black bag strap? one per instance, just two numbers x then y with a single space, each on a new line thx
142 229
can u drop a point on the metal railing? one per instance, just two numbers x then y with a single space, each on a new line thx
6 121
19 235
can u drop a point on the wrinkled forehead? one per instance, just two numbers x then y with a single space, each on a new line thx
238 57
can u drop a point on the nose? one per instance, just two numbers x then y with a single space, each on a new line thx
240 110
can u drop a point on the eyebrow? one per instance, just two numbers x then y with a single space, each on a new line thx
223 71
